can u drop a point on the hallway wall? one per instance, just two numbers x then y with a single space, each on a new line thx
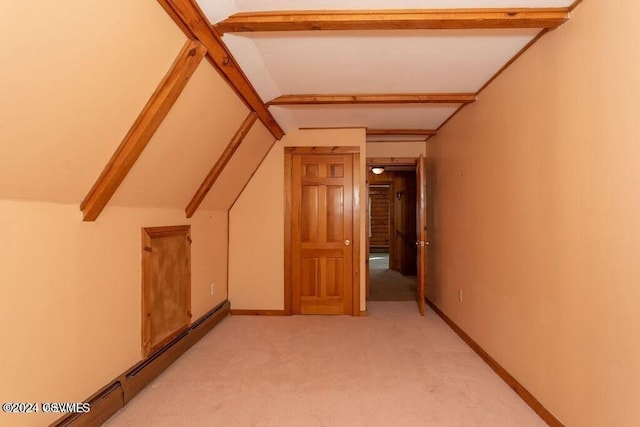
535 194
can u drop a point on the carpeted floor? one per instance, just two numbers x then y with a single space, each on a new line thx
392 368
388 285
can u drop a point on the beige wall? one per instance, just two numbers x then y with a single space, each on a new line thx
396 149
75 79
78 77
71 295
256 224
536 191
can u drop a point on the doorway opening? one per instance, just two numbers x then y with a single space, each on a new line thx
392 234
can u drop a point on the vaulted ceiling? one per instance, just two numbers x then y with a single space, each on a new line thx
327 51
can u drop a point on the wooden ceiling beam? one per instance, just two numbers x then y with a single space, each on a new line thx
401 132
394 141
388 98
192 21
219 166
391 161
410 19
142 130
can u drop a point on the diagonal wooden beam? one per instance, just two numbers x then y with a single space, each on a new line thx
142 130
410 19
384 98
192 21
399 132
217 169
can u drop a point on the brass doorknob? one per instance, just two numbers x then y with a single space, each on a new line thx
347 242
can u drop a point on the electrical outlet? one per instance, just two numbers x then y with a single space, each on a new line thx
460 295
213 288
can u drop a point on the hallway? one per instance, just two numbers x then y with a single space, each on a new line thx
386 284
390 368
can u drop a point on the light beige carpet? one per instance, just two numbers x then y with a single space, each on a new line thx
392 368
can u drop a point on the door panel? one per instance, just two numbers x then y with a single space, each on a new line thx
322 234
421 232
309 219
335 216
166 285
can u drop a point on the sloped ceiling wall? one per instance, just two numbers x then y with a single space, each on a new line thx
188 143
72 87
74 79
240 168
61 127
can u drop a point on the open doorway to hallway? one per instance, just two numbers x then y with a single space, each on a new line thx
392 234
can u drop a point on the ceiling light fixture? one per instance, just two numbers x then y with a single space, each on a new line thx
377 170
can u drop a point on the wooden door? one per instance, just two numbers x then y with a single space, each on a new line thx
322 233
166 285
367 196
421 233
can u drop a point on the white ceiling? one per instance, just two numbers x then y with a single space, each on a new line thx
217 10
403 116
393 61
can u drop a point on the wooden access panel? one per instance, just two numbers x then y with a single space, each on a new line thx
322 234
166 285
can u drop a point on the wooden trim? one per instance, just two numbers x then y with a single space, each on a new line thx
178 20
390 161
166 231
253 173
189 16
219 166
524 394
401 132
396 141
416 19
321 150
386 98
228 249
356 234
239 312
367 244
104 403
141 374
116 394
512 60
364 313
142 130
421 234
574 5
288 232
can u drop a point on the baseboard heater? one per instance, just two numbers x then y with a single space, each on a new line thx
115 395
